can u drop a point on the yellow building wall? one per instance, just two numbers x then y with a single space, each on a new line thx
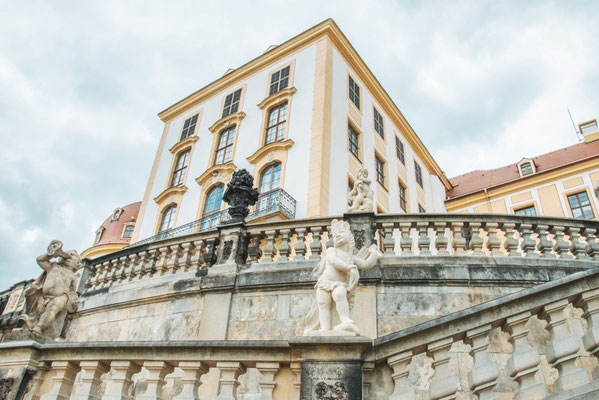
550 203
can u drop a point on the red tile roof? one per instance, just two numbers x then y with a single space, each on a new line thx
479 180
114 230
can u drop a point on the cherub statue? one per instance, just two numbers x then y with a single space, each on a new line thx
337 276
360 197
53 294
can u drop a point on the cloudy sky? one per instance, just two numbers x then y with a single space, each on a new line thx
483 83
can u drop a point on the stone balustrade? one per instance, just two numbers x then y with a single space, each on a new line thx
404 235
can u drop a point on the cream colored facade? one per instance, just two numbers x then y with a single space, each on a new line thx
313 152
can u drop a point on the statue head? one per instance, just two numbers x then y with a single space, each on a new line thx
363 173
342 234
73 261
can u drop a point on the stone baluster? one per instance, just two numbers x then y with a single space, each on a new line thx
592 244
254 251
151 267
131 270
269 248
578 247
589 301
329 242
424 242
91 373
444 384
197 255
192 373
37 380
388 240
493 241
561 246
406 239
367 377
188 249
441 240
161 265
229 372
123 266
300 245
316 245
114 270
94 281
525 361
476 241
484 373
104 278
528 245
172 261
157 372
122 371
563 352
297 380
545 245
140 268
267 383
284 248
511 242
62 381
458 242
399 363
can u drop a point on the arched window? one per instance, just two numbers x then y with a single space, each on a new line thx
168 218
275 129
211 214
225 146
180 167
526 169
270 178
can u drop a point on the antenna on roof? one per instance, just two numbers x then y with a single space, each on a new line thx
578 135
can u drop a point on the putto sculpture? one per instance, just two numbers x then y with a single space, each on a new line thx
240 194
337 279
360 197
52 296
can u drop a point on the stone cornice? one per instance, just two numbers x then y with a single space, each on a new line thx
188 141
170 191
280 145
231 119
276 98
220 168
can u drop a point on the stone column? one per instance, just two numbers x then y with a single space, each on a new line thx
267 383
122 371
193 371
91 372
158 370
62 382
229 372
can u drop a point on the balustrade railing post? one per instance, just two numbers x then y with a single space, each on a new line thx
476 242
172 261
300 245
424 241
561 247
161 265
123 266
511 242
564 349
441 240
592 245
458 242
484 373
296 368
528 245
197 257
578 247
192 373
267 383
229 372
493 242
399 363
545 245
406 239
269 250
388 240
284 248
589 301
62 381
186 259
150 267
157 372
444 384
131 271
315 245
91 372
122 371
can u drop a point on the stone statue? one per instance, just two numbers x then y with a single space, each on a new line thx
53 294
240 194
337 279
360 197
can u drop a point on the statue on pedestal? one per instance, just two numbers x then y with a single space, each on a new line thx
337 279
360 197
51 297
240 194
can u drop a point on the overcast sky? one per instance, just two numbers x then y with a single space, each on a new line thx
482 83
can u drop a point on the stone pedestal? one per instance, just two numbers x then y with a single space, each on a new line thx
232 249
363 227
331 366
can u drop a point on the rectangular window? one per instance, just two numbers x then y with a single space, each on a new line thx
400 151
225 146
421 209
275 130
128 232
279 80
378 123
189 126
380 170
353 140
528 211
581 205
180 167
418 172
354 92
232 103
403 203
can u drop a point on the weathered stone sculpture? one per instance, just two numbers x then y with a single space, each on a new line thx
52 296
240 194
337 276
360 197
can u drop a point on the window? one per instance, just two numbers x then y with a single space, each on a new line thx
225 146
378 123
99 233
526 169
271 178
580 205
116 215
421 209
400 151
232 103
128 232
528 211
353 140
211 215
180 167
189 126
277 117
354 92
168 218
418 172
279 80
403 203
380 170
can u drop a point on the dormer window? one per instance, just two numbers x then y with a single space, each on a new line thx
526 167
117 214
99 233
